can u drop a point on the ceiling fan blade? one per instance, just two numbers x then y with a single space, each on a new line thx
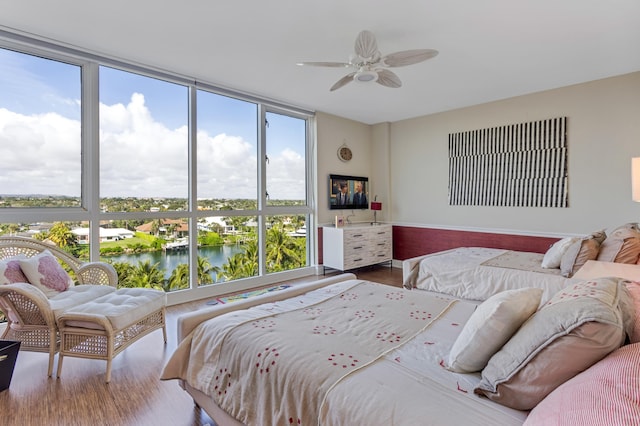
408 57
344 80
325 64
366 46
388 79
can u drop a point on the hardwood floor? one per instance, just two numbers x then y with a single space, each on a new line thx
135 395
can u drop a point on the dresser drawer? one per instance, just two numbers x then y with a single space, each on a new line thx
361 234
357 246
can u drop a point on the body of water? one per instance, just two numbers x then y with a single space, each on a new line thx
169 259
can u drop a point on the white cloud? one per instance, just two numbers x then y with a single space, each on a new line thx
139 157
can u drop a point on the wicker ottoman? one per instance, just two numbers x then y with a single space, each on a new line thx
104 327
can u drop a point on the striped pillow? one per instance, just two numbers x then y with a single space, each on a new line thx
608 393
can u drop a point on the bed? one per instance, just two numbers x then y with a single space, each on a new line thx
470 272
360 352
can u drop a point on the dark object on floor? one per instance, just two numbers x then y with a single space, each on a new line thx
8 355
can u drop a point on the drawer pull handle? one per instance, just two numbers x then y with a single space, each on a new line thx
357 235
358 248
357 260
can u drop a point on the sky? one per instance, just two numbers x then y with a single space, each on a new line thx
143 136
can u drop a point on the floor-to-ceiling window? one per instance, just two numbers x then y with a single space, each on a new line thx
178 184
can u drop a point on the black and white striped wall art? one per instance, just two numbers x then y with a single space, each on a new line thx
519 165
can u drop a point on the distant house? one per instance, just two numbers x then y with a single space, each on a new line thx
172 228
106 234
217 222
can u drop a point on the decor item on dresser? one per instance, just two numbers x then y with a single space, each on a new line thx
376 206
355 246
348 192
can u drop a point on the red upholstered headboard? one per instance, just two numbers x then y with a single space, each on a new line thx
411 241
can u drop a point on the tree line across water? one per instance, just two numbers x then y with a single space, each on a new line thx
283 252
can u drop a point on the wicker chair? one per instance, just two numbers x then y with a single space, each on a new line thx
31 317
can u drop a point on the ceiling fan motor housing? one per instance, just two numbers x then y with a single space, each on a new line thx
365 76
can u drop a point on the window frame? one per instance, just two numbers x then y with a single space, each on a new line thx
90 64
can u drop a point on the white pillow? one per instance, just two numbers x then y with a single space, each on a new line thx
44 272
490 327
553 256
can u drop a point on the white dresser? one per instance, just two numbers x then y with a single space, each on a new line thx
357 245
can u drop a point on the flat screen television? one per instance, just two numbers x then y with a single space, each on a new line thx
348 192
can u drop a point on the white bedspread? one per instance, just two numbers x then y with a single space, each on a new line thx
461 273
403 386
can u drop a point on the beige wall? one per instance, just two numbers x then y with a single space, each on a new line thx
331 133
407 161
603 135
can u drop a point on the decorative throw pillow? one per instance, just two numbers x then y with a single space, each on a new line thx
553 256
10 271
579 252
44 271
622 245
605 394
491 326
580 325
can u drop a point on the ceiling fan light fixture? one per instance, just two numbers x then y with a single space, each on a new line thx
368 65
365 76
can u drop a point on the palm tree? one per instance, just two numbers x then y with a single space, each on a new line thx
61 235
123 269
146 275
282 251
179 278
240 265
156 224
204 271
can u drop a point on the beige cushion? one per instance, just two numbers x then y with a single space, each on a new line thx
78 295
580 252
122 308
579 326
490 326
553 256
44 271
622 245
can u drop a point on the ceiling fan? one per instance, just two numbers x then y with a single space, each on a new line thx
369 65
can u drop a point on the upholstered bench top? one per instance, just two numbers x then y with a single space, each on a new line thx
121 308
77 295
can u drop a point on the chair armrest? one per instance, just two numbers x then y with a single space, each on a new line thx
101 273
25 304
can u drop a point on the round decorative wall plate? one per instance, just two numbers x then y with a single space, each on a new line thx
344 153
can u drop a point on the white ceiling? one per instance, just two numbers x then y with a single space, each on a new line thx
489 49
